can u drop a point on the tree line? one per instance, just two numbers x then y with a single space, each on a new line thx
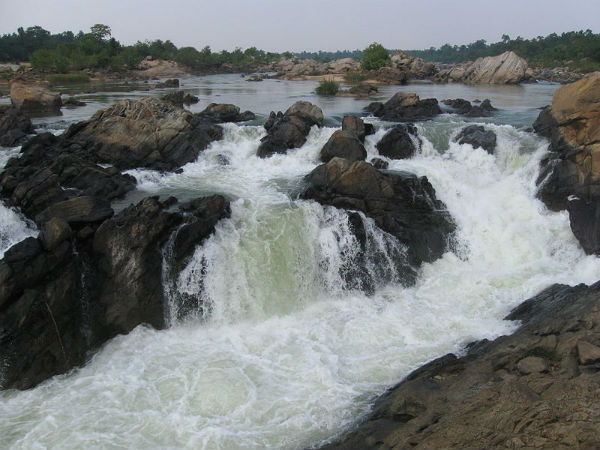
573 48
98 49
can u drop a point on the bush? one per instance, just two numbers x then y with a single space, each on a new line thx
375 56
355 77
328 87
63 78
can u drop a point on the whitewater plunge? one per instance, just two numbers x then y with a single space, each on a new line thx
280 355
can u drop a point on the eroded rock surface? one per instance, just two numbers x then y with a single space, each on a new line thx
34 98
405 107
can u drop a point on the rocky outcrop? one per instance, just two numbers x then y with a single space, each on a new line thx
144 133
507 68
151 68
405 107
180 98
34 98
343 144
220 113
72 102
289 130
478 137
556 75
414 68
14 126
571 171
357 127
464 107
399 143
401 204
537 388
389 75
80 283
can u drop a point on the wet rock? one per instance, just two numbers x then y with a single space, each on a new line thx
170 83
379 163
571 171
405 107
478 137
464 107
65 294
480 401
72 102
289 130
399 142
54 232
343 144
34 98
180 98
14 126
83 209
226 113
357 127
144 133
460 105
400 203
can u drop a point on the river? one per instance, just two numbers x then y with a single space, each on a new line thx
282 355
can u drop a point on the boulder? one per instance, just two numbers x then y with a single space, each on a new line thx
144 133
507 68
390 75
170 83
464 107
289 130
14 126
343 65
571 171
478 137
400 203
400 142
180 98
34 98
343 144
405 107
357 127
415 68
54 232
532 389
78 210
379 163
220 113
72 102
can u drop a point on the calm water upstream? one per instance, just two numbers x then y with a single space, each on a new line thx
287 358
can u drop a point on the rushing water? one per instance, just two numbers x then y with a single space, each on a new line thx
275 350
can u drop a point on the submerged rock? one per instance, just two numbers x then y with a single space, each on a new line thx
405 107
571 170
400 203
14 126
399 142
478 137
526 390
464 107
64 294
289 130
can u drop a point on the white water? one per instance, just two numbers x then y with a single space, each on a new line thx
285 358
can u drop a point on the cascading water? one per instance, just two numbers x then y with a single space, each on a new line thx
279 351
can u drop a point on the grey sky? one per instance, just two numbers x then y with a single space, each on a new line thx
279 25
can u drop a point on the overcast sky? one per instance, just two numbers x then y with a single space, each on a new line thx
296 25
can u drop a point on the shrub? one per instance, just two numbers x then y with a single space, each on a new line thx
355 77
375 56
328 87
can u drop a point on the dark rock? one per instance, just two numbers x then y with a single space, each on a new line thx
356 126
289 130
477 136
220 113
390 75
54 232
517 390
72 102
464 107
460 105
170 83
399 142
401 204
180 98
34 98
14 126
405 107
379 163
585 223
78 210
343 144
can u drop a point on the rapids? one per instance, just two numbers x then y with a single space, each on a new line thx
268 347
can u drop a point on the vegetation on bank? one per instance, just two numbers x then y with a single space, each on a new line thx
579 50
98 49
375 56
328 88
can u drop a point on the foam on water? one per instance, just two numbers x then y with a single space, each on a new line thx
282 356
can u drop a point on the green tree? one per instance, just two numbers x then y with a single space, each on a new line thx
100 31
375 56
